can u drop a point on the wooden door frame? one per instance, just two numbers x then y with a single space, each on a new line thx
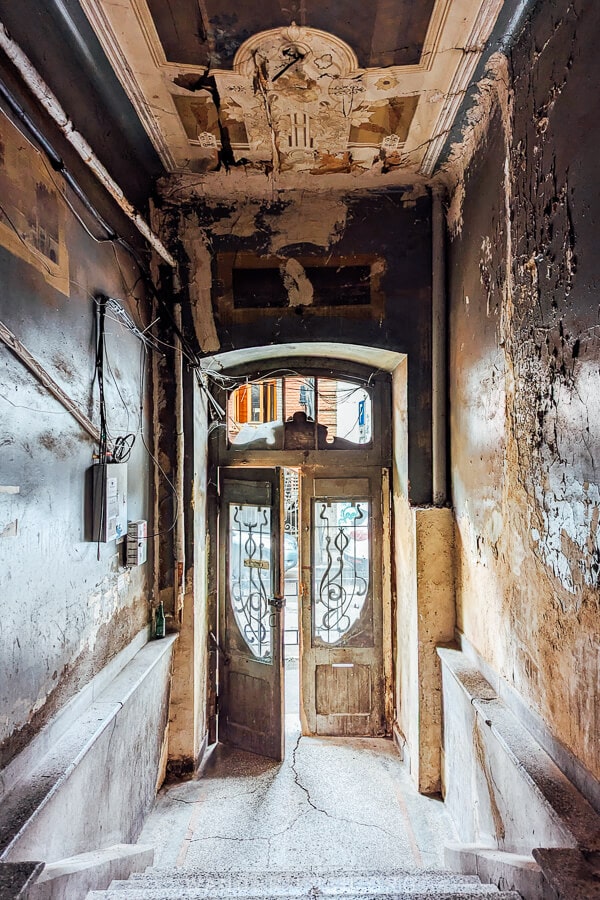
264 677
380 722
378 454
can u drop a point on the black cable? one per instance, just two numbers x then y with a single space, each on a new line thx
122 447
103 442
100 336
56 160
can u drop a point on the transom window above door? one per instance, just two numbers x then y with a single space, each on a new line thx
298 412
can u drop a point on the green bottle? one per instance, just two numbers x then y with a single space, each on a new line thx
159 621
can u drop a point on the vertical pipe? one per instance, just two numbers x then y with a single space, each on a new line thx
439 387
156 482
179 537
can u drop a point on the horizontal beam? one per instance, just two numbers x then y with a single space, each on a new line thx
22 353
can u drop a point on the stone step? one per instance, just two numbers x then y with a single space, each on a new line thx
475 892
290 884
194 884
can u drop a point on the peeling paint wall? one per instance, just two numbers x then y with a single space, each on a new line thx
65 612
296 238
188 708
525 378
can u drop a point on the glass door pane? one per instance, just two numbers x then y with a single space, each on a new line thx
341 577
250 575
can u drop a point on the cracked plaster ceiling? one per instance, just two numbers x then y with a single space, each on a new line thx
328 88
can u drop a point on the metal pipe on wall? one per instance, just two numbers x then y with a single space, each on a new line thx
179 537
439 379
50 103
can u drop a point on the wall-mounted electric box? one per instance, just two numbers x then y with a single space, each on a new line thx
109 501
137 542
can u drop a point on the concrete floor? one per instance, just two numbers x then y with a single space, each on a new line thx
332 804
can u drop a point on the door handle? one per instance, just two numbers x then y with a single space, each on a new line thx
276 603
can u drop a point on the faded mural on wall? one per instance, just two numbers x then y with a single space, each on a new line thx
32 220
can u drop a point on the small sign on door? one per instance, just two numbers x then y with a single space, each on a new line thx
256 563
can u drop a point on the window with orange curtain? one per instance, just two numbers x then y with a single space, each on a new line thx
255 402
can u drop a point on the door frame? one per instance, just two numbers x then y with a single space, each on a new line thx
318 661
382 581
251 689
378 454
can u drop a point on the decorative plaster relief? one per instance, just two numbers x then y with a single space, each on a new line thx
296 99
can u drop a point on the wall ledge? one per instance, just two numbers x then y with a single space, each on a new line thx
40 745
508 871
566 761
92 871
557 798
23 805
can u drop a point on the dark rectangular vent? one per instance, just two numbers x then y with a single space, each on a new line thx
263 288
340 286
258 289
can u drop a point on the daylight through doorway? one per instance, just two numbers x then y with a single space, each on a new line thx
291 579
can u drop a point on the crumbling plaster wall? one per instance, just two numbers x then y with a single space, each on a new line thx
68 606
188 707
524 374
392 226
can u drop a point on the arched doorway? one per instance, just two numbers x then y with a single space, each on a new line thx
326 427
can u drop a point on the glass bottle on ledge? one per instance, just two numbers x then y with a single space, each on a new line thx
159 621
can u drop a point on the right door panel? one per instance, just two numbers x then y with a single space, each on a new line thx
341 652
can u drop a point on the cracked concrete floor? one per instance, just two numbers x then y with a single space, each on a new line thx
332 803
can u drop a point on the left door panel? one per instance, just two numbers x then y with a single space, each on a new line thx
251 617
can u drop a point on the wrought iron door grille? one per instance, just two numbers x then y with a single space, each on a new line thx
341 567
250 578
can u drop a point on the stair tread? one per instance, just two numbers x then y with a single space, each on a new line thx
184 889
299 878
295 873
395 884
475 893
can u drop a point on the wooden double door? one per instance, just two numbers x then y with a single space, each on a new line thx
340 609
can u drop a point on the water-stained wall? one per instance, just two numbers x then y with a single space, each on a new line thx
300 267
68 604
524 371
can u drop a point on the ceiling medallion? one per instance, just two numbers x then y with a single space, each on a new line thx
318 50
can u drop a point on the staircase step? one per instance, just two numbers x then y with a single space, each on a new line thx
397 884
194 884
318 890
475 892
296 883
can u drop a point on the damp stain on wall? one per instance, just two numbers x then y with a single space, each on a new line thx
525 329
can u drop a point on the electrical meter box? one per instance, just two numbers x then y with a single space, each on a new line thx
137 542
109 504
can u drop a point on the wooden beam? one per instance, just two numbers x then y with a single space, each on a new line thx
22 353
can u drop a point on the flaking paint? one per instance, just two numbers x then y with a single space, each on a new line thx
525 378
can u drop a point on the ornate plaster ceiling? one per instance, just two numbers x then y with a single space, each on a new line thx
215 89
